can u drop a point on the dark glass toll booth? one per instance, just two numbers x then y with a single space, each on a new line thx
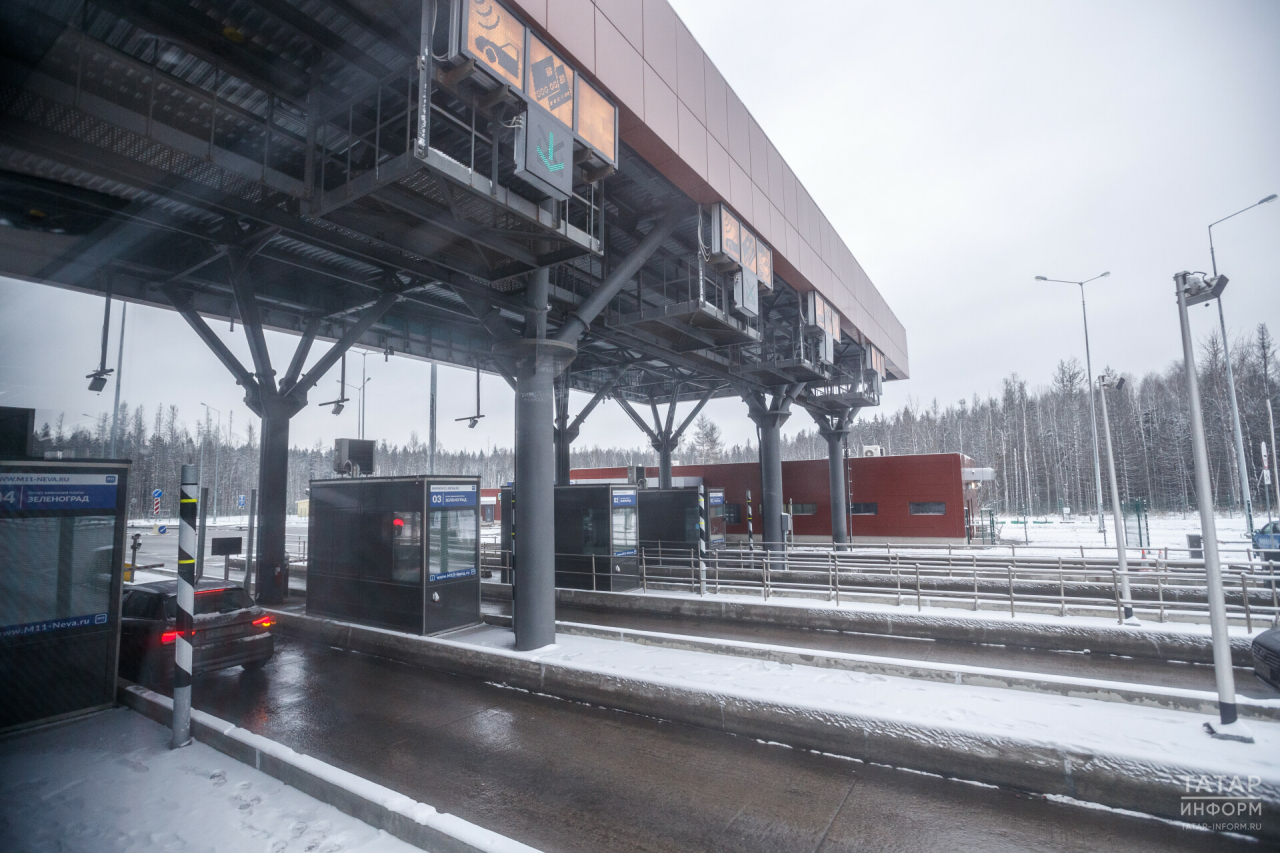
669 517
62 530
597 536
369 539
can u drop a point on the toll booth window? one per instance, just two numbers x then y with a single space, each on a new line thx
717 510
928 508
62 568
691 524
626 529
453 537
864 509
733 513
486 513
804 509
406 547
595 532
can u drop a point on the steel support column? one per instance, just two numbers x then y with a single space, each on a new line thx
664 438
769 418
273 486
834 427
275 406
537 363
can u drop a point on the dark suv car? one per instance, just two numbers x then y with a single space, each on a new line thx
230 630
1266 657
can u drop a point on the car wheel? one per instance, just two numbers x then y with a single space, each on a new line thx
255 665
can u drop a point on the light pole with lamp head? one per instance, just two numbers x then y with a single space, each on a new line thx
1192 289
217 453
1122 557
1093 415
1231 383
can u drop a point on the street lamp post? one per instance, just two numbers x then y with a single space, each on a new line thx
1231 383
1122 557
1193 289
1093 415
217 454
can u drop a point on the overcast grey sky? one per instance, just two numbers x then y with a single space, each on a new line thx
960 149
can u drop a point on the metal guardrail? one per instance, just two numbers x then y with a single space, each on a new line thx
1159 589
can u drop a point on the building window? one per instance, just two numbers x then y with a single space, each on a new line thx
804 509
864 509
733 513
928 508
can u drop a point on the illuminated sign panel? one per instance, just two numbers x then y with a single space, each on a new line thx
505 48
495 39
748 250
597 121
730 235
547 154
550 81
764 265
733 241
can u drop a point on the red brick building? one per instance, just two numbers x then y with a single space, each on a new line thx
923 498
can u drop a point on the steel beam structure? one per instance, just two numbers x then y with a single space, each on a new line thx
834 428
769 416
307 174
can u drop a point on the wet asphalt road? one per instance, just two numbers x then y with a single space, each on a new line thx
562 776
1108 667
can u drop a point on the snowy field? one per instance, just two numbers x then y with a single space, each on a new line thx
110 783
1167 531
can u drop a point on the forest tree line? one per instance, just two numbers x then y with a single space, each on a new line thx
1037 439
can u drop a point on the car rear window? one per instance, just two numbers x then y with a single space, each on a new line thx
138 604
212 601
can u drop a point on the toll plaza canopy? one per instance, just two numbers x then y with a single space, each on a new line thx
562 192
163 151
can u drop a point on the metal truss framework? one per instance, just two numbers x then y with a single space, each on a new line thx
259 161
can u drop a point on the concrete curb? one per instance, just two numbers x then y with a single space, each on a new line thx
1116 781
382 808
1168 698
1134 642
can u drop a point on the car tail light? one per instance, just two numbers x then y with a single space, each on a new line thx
264 622
169 636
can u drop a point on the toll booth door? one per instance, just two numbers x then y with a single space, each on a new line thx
715 518
624 570
453 557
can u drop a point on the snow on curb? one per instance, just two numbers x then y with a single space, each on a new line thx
1172 698
407 819
1099 766
1166 641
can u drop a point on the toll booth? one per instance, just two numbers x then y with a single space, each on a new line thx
669 518
62 532
370 538
597 536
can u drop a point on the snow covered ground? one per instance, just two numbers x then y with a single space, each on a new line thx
951 614
110 782
1130 734
1167 530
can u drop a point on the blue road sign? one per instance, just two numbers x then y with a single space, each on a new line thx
240 502
157 493
164 529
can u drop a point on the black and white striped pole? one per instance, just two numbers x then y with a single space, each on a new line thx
186 607
751 543
702 540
